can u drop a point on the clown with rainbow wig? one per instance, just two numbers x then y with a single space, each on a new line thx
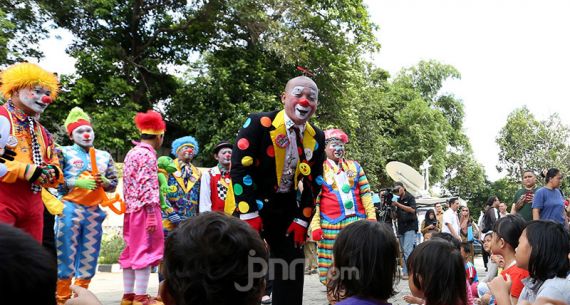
29 90
345 198
184 183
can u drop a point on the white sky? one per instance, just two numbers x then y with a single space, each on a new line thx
510 53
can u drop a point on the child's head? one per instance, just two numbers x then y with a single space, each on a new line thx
487 241
449 238
543 250
365 263
506 233
437 273
27 270
214 259
429 234
465 250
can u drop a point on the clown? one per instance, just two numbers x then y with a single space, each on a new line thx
275 152
185 181
215 189
345 198
29 90
79 228
142 229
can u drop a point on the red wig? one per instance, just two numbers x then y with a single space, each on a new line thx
150 122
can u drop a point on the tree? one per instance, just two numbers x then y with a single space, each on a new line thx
21 28
527 143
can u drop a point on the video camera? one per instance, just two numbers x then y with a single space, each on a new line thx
384 210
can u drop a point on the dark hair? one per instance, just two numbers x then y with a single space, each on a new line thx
430 211
452 200
529 171
510 229
466 246
449 238
550 247
27 271
490 200
371 249
208 255
146 136
439 272
551 173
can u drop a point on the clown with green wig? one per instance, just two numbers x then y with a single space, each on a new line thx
79 227
184 183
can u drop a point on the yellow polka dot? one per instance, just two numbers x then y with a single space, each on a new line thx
247 161
243 207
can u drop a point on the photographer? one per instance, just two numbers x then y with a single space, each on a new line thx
407 222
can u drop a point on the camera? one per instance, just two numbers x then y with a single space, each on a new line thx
384 208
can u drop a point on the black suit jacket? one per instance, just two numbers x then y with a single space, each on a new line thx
257 164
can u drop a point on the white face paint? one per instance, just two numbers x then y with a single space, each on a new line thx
335 150
301 100
186 153
224 157
32 99
83 136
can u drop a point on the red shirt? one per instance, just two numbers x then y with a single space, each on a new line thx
517 274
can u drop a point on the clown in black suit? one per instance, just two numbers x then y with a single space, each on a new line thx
277 166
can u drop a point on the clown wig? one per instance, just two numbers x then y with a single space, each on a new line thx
27 75
150 122
187 140
335 134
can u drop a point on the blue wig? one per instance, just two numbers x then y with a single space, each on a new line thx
185 140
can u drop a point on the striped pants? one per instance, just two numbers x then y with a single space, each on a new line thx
325 250
78 233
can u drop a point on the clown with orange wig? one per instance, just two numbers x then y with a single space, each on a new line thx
345 198
29 90
142 230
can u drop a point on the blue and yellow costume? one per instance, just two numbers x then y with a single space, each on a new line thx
79 230
184 183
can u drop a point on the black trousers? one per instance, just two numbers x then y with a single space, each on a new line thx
286 261
48 240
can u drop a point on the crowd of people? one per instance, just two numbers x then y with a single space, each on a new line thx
237 233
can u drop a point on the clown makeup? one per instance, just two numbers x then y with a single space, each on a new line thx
335 150
224 157
300 99
185 153
33 100
83 136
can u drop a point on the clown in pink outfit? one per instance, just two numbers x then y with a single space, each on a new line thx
142 230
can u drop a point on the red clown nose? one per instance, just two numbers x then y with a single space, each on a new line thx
46 99
304 102
86 136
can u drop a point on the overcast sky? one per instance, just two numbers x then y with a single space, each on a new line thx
509 53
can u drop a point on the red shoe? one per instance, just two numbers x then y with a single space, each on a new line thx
128 299
146 300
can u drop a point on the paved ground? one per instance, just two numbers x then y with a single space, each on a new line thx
109 287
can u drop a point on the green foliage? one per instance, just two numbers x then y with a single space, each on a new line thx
527 143
21 28
111 246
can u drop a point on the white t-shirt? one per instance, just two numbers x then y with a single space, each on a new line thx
450 217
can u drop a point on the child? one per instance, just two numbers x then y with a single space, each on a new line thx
437 273
27 271
506 233
470 271
209 259
364 264
543 251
